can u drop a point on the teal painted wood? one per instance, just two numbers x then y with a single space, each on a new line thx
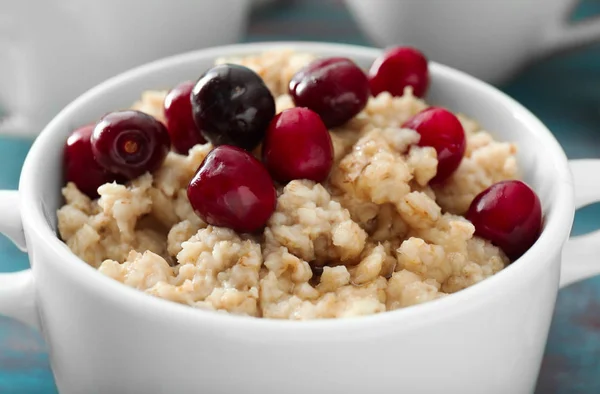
563 92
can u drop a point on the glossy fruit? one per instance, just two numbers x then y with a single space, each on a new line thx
440 129
335 88
130 143
179 120
297 146
232 189
509 214
398 68
232 105
80 166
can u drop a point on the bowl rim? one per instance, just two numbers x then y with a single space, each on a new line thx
558 219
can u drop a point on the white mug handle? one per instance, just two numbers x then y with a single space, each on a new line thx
17 297
563 35
11 80
581 254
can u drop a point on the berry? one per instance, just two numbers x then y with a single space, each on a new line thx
179 120
298 146
335 88
80 166
440 129
232 189
509 214
398 68
231 105
130 143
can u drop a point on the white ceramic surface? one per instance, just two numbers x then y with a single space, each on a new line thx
51 51
489 39
105 337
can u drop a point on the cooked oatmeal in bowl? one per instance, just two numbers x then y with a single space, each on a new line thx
258 191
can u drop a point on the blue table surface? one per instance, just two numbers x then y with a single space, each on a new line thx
564 92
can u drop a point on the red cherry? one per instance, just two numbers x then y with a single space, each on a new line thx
80 166
397 68
232 189
130 143
179 120
509 214
298 146
440 129
335 88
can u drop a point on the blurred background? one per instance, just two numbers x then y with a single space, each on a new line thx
543 53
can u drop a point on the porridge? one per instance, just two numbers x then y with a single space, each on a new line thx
362 207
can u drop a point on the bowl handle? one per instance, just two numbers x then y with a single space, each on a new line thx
17 298
13 60
581 254
564 35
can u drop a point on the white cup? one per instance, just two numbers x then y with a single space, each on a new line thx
105 337
51 51
489 39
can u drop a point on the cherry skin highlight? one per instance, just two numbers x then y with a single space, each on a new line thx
398 68
509 214
80 166
179 120
298 146
232 189
335 88
440 129
130 143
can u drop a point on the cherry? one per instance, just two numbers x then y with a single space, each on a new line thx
509 214
130 143
80 166
298 146
335 88
232 189
231 105
179 120
440 129
398 68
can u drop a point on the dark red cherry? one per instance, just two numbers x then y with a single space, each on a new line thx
335 88
232 189
298 146
398 68
179 120
80 166
509 214
440 129
130 143
232 105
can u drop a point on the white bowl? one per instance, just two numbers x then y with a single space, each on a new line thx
106 337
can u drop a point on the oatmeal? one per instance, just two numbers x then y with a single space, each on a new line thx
376 235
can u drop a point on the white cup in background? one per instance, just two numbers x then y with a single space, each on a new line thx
53 50
490 39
